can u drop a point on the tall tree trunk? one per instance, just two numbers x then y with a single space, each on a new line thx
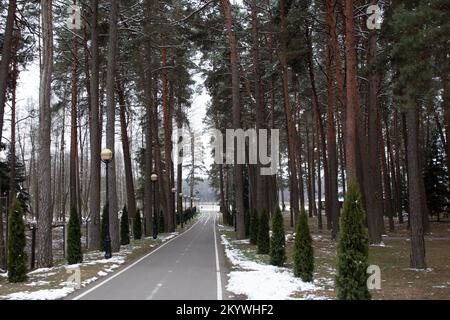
131 198
292 131
371 152
414 176
239 179
44 227
94 130
321 138
73 176
352 111
7 54
167 122
111 123
261 181
333 203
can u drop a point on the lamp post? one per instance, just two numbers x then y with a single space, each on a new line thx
106 156
174 197
154 178
181 213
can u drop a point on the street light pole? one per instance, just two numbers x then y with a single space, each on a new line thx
181 213
154 178
106 157
174 190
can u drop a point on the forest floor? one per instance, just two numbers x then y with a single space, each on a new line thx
392 256
53 283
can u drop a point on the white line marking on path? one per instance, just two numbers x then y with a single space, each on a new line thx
219 279
134 263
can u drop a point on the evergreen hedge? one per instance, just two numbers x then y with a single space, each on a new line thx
17 258
74 251
353 249
137 226
124 228
303 250
278 240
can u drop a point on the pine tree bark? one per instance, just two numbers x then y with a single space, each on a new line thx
353 108
111 123
292 131
44 170
7 54
414 176
238 168
73 179
95 133
371 152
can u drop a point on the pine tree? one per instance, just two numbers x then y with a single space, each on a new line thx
104 224
74 251
137 226
353 249
17 258
124 228
278 240
263 234
303 250
254 221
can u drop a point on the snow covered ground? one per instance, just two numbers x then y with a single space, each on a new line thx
259 281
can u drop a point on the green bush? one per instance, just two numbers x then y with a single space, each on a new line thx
263 234
278 240
254 222
74 252
124 228
303 250
17 258
137 226
353 249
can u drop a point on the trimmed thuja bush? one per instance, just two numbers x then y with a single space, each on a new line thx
278 240
105 222
254 222
74 252
353 249
263 234
17 258
303 250
137 226
124 228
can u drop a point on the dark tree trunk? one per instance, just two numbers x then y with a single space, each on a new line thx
333 203
352 111
239 179
414 174
292 131
111 122
44 170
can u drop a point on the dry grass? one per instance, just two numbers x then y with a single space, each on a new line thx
398 280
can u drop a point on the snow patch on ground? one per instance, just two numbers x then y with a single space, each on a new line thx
381 244
260 281
49 294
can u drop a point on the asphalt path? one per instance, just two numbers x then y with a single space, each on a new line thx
189 267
